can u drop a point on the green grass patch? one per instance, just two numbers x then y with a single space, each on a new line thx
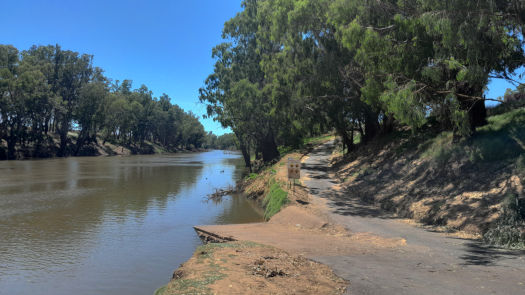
502 139
197 286
274 200
520 164
252 176
160 290
209 248
283 150
319 139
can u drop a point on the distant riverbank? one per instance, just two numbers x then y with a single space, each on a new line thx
93 149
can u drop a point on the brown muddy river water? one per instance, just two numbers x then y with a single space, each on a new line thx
115 225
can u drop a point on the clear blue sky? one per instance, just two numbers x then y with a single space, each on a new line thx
163 44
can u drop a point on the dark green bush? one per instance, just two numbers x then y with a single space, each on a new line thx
510 230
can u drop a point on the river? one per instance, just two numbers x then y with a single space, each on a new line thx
109 225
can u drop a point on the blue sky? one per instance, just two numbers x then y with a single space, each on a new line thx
163 44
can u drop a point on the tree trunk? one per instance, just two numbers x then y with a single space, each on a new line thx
62 150
11 151
258 152
371 126
348 142
477 113
80 141
388 124
269 148
245 153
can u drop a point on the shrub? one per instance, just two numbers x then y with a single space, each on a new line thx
510 230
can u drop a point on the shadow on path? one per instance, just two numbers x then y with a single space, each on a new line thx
429 263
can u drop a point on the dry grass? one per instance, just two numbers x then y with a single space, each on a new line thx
455 186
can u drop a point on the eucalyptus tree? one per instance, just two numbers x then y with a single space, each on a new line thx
313 73
48 93
11 104
67 73
427 56
235 92
89 113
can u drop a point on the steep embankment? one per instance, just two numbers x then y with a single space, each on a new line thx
473 185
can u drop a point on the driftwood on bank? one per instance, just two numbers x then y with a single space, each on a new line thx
219 193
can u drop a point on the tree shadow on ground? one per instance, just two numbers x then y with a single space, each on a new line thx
480 254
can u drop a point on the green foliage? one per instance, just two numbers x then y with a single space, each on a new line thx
274 200
226 141
405 103
47 91
283 150
291 69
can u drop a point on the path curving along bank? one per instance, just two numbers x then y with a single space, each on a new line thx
428 263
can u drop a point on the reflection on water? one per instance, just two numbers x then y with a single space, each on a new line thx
117 225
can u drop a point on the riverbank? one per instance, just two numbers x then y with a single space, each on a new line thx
96 148
405 200
298 228
382 254
275 261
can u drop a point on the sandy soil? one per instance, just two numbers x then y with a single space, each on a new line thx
301 231
250 268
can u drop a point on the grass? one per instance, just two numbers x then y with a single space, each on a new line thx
316 140
276 197
339 145
198 286
252 176
160 291
283 150
274 200
502 139
520 164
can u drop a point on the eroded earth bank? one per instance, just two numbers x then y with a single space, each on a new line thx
327 240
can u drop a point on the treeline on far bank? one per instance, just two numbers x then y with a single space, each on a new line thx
291 69
54 102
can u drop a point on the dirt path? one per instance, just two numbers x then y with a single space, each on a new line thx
429 262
